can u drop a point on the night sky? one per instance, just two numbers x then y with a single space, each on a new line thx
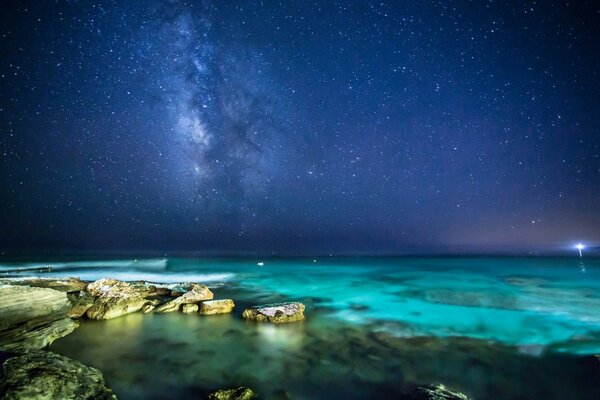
342 127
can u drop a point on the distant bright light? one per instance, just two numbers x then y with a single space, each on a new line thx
580 246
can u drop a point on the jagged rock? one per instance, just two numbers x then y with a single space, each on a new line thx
42 375
276 313
189 308
211 307
196 294
63 285
435 392
240 393
81 302
32 318
114 298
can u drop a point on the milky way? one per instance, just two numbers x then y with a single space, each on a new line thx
321 127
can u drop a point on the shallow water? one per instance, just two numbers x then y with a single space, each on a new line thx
504 327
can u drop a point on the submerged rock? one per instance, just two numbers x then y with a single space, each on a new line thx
196 294
42 375
63 285
32 318
211 307
81 302
240 393
276 313
435 392
114 298
189 308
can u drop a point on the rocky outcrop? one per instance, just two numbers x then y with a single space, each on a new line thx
114 298
41 375
275 313
240 393
81 302
196 293
434 392
189 308
32 318
63 285
212 307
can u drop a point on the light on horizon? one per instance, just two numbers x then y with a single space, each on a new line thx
580 247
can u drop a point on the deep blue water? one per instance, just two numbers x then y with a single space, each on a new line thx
514 313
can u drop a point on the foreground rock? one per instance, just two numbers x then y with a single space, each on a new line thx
196 293
212 307
275 313
32 318
114 298
240 393
435 392
68 285
42 375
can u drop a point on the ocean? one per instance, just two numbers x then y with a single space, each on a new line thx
491 327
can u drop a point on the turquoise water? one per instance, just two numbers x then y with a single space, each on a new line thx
523 328
529 301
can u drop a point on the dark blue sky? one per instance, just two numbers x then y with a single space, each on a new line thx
299 127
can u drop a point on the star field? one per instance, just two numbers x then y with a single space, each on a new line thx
299 127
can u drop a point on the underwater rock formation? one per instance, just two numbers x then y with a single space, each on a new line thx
435 392
240 393
32 318
212 307
114 298
41 375
276 313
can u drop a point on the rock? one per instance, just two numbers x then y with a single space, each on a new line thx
81 302
114 298
189 308
150 306
276 313
64 285
435 392
240 393
37 336
41 375
196 294
211 307
32 318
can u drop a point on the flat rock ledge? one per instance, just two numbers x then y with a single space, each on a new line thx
42 375
240 393
32 317
435 392
212 307
276 313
